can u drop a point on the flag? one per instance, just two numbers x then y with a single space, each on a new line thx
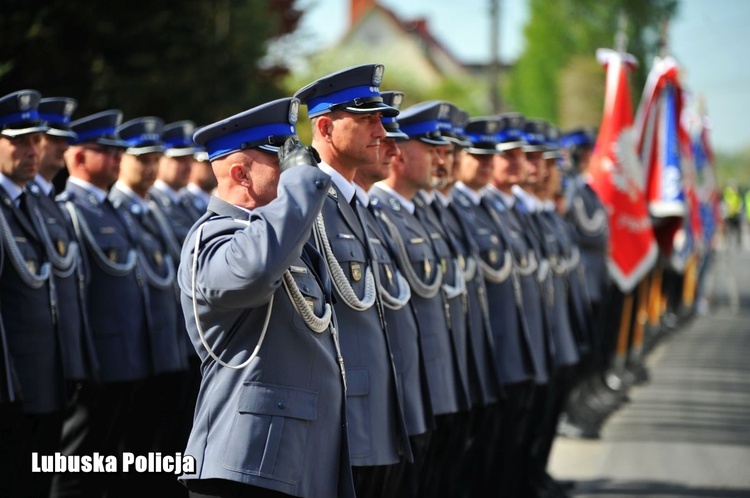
617 177
657 125
706 186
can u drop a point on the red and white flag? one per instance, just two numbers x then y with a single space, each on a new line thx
617 177
660 147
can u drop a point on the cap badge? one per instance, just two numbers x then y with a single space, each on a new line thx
68 108
24 101
444 111
398 98
377 75
293 111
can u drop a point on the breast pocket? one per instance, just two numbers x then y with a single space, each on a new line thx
270 428
312 293
351 256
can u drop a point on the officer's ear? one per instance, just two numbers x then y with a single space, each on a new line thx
239 172
323 126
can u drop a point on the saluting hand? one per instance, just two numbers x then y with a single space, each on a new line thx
292 154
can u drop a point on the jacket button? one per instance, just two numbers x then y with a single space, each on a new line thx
281 404
320 184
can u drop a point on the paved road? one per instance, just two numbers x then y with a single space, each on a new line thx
686 432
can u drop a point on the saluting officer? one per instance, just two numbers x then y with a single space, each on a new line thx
270 418
118 313
399 315
29 303
424 267
345 109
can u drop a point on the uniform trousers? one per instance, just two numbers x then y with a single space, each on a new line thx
515 419
222 488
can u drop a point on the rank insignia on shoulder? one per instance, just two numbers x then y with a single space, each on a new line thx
395 205
332 192
297 269
356 271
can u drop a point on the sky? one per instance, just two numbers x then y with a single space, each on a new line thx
706 39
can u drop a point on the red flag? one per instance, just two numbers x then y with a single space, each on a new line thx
617 178
659 145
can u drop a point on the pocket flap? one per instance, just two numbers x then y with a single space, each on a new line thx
267 399
357 382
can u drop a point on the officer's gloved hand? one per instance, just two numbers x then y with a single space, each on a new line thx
292 154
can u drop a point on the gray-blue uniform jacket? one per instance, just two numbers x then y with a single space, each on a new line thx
486 387
63 251
279 422
27 295
516 348
177 213
522 230
579 304
375 416
117 310
403 331
165 321
591 222
9 388
192 203
558 254
454 293
417 259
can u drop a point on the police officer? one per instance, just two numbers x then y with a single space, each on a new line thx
345 109
424 268
570 339
174 215
173 174
591 400
118 313
28 299
270 418
201 184
509 169
485 381
154 411
61 245
399 314
507 268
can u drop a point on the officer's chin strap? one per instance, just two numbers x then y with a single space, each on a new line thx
197 318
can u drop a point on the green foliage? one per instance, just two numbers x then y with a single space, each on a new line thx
560 30
192 59
733 167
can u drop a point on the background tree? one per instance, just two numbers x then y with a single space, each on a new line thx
193 59
552 79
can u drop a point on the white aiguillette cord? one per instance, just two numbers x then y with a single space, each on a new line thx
197 318
317 325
